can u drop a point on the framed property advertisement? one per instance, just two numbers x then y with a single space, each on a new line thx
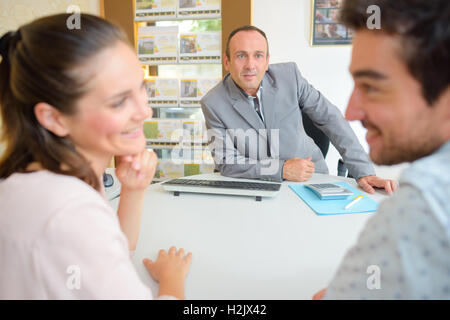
325 26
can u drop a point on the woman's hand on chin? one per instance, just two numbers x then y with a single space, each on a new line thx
135 172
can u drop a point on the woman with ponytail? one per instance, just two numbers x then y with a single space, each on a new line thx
70 100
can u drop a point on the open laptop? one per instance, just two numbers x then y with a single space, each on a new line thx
223 185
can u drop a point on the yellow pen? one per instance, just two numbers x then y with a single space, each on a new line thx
353 202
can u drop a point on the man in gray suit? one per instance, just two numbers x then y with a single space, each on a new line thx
254 120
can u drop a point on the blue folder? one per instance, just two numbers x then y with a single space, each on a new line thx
331 207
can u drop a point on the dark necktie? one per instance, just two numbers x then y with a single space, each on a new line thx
258 111
257 108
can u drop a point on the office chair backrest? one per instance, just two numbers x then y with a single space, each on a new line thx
320 138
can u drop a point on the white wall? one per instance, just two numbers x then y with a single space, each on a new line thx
287 24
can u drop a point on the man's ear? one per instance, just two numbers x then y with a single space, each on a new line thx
226 62
51 119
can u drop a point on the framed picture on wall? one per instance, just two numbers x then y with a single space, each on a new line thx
325 27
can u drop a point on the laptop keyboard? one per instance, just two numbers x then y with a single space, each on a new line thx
225 184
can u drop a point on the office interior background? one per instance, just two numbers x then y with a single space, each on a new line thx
288 31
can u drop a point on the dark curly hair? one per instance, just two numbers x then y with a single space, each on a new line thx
424 31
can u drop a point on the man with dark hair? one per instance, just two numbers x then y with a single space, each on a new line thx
254 116
402 96
245 28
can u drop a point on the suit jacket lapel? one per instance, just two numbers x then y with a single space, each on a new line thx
269 92
242 106
268 97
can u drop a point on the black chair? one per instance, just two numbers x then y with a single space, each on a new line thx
320 138
322 141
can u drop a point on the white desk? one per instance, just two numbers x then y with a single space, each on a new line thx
244 249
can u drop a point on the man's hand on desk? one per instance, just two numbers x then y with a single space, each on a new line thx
368 182
298 169
319 295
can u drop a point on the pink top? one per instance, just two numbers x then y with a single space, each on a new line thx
60 239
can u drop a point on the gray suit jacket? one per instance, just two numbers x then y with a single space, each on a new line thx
244 146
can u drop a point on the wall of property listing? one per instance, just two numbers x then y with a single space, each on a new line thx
179 45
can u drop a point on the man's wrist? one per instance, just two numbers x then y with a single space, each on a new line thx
367 175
